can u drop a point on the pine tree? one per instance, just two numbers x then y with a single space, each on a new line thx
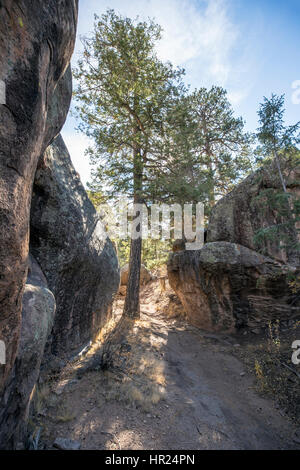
209 152
124 92
221 145
279 143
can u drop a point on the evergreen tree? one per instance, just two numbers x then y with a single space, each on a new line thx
279 143
221 145
124 93
208 148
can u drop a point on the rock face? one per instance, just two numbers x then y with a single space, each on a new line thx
81 268
146 276
238 215
36 43
228 285
66 444
225 286
58 106
37 320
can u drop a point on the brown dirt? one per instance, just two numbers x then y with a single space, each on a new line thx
167 386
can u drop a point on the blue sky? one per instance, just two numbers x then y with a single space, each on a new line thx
250 47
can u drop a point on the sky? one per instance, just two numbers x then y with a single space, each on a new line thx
249 47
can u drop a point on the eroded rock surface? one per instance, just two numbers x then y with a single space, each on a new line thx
66 238
228 284
238 215
36 43
225 286
38 313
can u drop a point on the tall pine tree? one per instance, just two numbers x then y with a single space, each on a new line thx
124 93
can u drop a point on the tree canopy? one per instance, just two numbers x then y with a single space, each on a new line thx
208 149
152 140
124 92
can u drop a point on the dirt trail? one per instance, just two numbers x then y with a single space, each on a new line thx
173 387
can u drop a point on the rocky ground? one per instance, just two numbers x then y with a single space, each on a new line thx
160 383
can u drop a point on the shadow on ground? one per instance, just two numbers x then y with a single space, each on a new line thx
159 383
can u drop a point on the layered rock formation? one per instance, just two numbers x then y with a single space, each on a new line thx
66 238
227 285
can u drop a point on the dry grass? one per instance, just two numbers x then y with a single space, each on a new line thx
269 358
40 398
136 379
64 415
141 394
260 376
134 374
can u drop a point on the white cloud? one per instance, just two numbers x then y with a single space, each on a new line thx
237 96
197 31
204 36
198 35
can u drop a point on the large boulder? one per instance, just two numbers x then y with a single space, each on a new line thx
226 286
36 43
66 238
145 275
58 107
241 213
37 320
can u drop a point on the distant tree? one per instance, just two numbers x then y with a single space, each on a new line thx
279 143
154 252
221 144
124 93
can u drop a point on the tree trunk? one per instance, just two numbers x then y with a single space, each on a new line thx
209 157
132 301
280 172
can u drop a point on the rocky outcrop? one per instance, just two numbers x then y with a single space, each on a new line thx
145 275
36 44
37 320
238 215
75 261
226 286
66 238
